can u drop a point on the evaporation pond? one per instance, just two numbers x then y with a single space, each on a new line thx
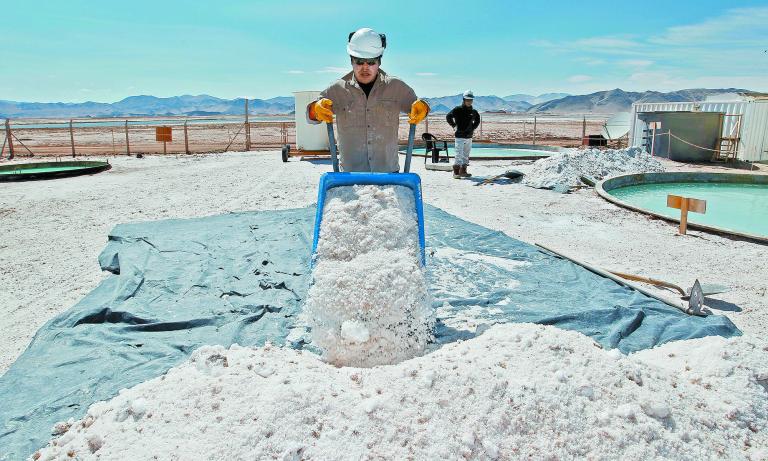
737 207
44 169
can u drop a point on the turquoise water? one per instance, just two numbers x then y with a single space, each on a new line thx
46 169
737 207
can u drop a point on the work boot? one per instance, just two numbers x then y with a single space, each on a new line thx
463 172
456 172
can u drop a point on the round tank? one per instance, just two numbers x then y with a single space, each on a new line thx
50 170
308 136
736 203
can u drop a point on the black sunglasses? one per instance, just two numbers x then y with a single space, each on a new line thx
361 61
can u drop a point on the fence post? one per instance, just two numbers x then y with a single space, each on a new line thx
9 136
583 129
186 138
534 130
127 143
72 138
247 128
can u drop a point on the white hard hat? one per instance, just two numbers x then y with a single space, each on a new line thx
366 43
468 95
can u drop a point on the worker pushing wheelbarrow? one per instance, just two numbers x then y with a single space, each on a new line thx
367 103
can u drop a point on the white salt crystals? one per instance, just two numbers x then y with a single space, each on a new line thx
368 304
564 171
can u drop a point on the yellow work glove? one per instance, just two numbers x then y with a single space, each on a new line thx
321 111
419 111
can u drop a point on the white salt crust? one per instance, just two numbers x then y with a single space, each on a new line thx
369 304
517 391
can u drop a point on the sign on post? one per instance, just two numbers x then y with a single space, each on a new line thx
686 204
163 134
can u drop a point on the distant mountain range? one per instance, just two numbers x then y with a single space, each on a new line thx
444 104
530 99
613 101
136 106
607 102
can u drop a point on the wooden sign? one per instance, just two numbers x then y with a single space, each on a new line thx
163 134
686 204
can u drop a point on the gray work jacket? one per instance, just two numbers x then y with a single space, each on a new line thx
367 127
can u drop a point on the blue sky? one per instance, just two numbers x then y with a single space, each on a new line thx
78 50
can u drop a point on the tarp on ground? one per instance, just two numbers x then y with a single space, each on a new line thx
241 278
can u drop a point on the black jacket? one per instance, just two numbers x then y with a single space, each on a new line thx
464 120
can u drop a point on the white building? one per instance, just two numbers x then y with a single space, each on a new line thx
746 118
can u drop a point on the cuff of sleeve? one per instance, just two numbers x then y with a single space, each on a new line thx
308 112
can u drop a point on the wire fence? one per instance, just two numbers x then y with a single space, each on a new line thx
221 134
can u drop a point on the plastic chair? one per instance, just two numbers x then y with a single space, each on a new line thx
433 145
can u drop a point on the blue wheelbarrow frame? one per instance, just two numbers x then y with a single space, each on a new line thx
337 179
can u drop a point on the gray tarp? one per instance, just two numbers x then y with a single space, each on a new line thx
240 278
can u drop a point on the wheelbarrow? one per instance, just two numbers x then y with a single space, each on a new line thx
338 179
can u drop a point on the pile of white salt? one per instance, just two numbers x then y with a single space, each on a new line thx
518 391
369 304
564 171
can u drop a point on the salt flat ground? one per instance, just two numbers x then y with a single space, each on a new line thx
51 232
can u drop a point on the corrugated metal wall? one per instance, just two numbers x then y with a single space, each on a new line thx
754 123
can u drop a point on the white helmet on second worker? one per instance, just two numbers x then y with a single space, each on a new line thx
469 95
366 43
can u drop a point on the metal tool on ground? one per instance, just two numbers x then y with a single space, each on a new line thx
706 290
695 299
339 179
686 204
509 174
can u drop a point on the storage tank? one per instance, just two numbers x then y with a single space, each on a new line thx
308 136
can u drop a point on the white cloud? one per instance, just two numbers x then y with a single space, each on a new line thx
621 45
591 61
543 43
579 78
426 74
294 72
635 62
722 51
746 26
333 70
606 43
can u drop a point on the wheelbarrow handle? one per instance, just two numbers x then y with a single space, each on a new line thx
332 147
409 151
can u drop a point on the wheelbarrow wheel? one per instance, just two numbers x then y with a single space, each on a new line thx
284 152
